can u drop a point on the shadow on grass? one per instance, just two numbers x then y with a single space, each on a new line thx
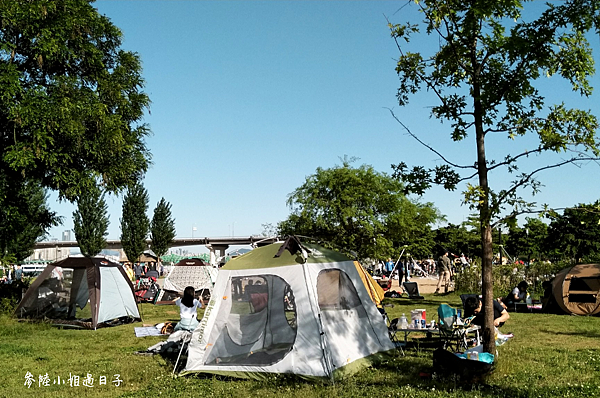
412 303
591 334
411 375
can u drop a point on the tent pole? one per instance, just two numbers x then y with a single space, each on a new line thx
396 266
188 337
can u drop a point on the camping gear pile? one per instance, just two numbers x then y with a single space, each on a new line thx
289 308
147 289
455 357
62 291
467 367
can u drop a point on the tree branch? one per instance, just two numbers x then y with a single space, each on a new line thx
427 146
518 213
527 177
514 158
427 82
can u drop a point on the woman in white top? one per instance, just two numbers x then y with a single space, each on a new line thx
188 307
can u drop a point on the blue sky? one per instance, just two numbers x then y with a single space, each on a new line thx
249 98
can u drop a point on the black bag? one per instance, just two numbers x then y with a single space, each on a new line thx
467 370
392 294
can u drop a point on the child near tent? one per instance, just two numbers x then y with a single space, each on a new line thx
188 306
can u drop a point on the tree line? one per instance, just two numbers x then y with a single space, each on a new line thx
365 211
90 223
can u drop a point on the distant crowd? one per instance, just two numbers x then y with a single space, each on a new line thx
13 273
403 269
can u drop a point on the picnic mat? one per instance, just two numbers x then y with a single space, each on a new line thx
146 331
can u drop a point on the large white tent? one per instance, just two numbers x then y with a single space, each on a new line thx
288 308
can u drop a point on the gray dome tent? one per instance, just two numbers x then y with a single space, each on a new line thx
62 291
577 289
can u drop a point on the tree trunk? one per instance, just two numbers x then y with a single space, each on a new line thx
487 285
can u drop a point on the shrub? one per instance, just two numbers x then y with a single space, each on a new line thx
10 295
468 280
8 305
507 276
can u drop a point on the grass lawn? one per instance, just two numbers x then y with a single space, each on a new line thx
550 356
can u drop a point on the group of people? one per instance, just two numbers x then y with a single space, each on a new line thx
404 269
474 305
12 273
445 267
138 271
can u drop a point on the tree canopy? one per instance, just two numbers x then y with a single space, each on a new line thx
359 210
90 222
574 234
162 228
482 72
70 99
134 221
458 239
529 241
24 217
71 102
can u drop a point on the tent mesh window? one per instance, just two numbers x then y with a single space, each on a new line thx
260 328
583 290
63 294
336 292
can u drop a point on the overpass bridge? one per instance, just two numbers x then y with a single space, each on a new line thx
216 246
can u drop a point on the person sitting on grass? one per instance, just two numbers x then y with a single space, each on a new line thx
518 294
188 307
474 307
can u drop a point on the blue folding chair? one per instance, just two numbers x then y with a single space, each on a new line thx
453 334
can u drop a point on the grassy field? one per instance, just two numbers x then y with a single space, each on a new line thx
550 356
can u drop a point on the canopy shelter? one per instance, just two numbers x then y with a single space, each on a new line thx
289 307
171 258
63 290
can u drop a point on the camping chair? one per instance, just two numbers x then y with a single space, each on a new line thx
412 289
384 314
392 333
453 334
392 327
385 284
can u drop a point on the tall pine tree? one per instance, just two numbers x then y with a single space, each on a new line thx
90 221
134 221
162 228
